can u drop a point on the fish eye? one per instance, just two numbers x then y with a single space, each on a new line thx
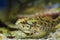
1 32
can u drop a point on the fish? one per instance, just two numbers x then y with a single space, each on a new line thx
45 22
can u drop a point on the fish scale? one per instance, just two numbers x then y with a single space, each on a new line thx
46 23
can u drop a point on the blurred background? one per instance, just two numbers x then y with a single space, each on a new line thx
10 9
